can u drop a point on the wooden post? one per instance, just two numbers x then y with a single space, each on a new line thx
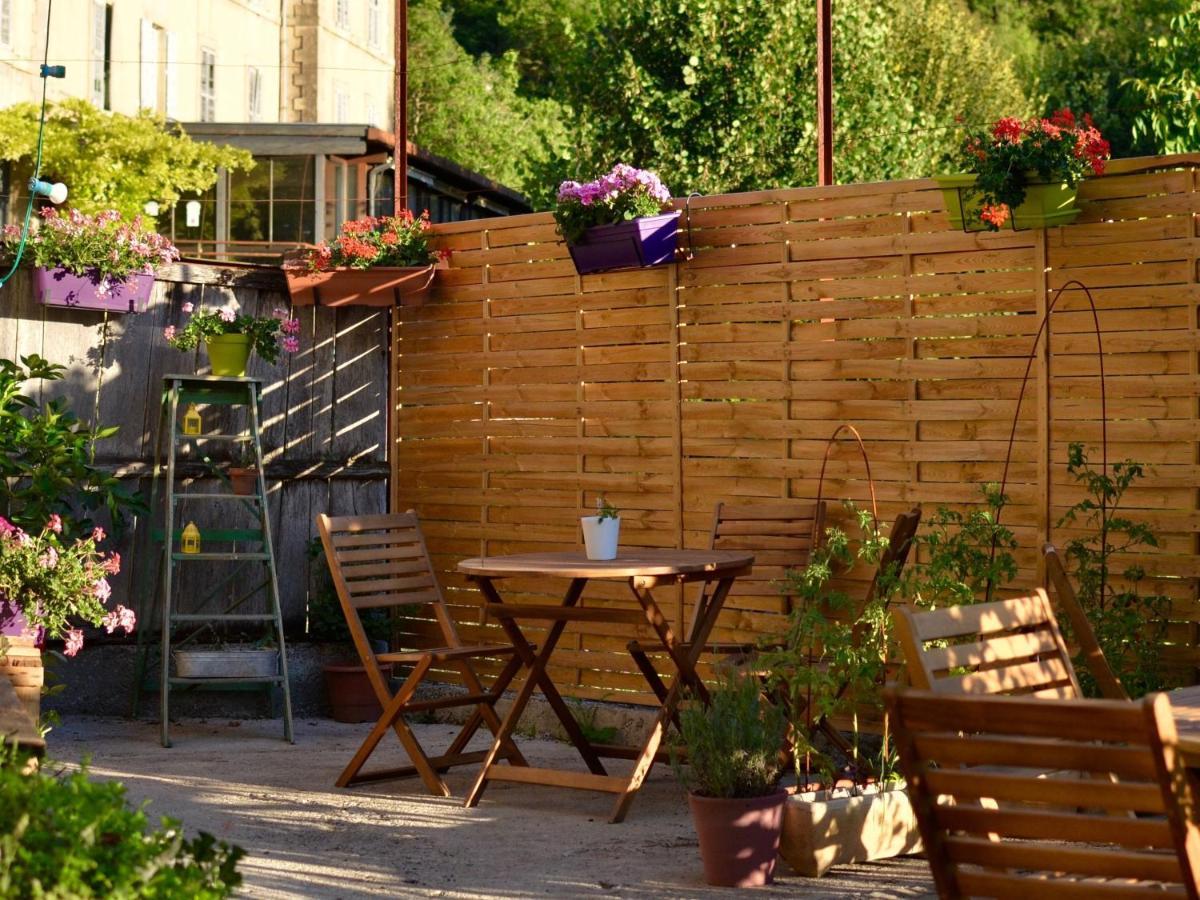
824 92
400 105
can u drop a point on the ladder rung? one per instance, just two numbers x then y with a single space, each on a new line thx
253 497
262 557
244 438
223 617
237 679
226 535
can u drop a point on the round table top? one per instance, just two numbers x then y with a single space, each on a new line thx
630 563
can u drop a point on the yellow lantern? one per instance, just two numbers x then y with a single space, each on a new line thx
190 540
191 420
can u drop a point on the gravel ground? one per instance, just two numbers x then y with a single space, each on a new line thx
305 838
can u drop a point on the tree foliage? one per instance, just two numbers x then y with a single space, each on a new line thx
112 161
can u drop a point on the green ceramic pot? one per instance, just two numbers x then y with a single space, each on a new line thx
1046 204
228 354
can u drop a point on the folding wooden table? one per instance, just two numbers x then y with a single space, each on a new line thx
643 571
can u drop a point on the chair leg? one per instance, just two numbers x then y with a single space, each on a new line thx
392 717
485 713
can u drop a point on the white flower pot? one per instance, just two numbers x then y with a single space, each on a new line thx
600 536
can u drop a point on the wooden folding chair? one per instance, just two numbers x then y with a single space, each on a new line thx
382 561
1106 680
991 827
1003 647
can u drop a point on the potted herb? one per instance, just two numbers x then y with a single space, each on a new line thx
230 337
1024 174
617 221
732 775
93 262
372 262
243 472
47 585
351 697
601 532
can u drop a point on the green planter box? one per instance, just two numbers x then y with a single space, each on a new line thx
1047 204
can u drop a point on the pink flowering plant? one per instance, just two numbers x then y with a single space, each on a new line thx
372 241
268 334
624 193
104 247
56 583
1009 153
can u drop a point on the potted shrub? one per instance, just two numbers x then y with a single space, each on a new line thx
848 804
47 585
243 472
617 221
351 697
732 775
230 337
372 262
93 262
602 532
1024 174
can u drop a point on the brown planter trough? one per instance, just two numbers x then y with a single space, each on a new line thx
381 286
820 833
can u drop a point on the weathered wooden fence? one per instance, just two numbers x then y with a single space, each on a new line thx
523 390
324 410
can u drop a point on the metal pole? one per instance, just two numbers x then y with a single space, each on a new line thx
400 103
824 92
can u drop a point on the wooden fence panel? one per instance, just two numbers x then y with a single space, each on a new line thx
523 389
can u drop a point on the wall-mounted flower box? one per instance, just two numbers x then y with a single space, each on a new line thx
377 286
646 241
58 287
1046 205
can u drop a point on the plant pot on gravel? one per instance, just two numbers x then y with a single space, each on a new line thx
732 770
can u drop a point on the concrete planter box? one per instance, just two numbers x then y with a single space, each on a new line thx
820 832
211 662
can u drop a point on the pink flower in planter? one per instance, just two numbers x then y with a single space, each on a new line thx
101 590
98 534
169 332
55 523
49 559
279 313
291 344
227 314
121 617
112 565
290 326
6 527
74 642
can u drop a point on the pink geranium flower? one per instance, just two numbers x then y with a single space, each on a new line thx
121 617
74 641
55 523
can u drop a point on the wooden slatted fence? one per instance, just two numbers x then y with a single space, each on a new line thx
522 389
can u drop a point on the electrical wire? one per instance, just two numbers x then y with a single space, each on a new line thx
37 165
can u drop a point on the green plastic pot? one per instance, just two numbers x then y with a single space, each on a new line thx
1046 205
228 354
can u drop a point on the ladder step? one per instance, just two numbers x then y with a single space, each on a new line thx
222 617
237 679
227 535
240 438
199 557
252 497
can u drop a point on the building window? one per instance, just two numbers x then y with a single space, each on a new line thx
6 22
341 106
101 49
254 103
343 14
374 23
208 85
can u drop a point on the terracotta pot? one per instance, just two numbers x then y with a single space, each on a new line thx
380 286
243 480
739 837
351 698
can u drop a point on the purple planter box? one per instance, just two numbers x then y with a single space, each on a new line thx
58 287
648 241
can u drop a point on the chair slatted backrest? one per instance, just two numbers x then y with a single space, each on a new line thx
1097 664
382 561
1118 819
1003 647
780 534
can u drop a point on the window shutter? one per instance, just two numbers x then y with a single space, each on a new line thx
172 75
6 22
99 25
148 98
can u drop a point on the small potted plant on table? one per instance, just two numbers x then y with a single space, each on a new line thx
1024 174
371 263
734 763
617 221
602 532
230 337
96 262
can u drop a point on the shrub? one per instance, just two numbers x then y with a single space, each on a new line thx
733 743
66 836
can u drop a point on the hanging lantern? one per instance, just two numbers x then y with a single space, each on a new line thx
190 540
191 420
